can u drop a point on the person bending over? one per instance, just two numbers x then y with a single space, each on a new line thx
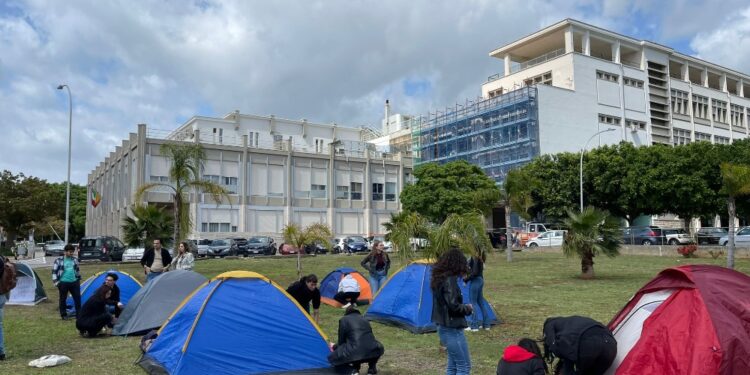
348 291
305 291
94 315
583 345
356 344
522 359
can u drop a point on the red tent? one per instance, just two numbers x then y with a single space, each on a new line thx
691 319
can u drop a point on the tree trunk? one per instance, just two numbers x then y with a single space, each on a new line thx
299 262
686 223
508 235
730 244
587 266
176 212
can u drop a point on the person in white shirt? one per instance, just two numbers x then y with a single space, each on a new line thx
348 291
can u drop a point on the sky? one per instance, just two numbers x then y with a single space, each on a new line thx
162 62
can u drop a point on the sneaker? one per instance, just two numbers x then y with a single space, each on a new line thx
475 330
467 329
345 306
487 328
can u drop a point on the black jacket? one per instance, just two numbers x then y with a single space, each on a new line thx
476 269
518 361
304 295
93 316
148 257
114 298
562 335
356 341
370 262
448 309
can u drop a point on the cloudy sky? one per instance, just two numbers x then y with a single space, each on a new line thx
162 62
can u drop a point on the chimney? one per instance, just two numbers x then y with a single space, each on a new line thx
386 124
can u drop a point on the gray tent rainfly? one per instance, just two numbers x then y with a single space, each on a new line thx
152 305
29 289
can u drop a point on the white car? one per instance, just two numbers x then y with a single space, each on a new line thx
548 238
741 238
677 237
133 254
387 246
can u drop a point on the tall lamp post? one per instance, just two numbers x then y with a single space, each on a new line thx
70 142
584 150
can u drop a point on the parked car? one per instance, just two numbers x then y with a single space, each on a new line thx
338 245
287 249
201 247
261 245
548 238
708 236
355 244
239 246
104 248
54 248
741 238
133 254
677 237
643 235
220 248
387 245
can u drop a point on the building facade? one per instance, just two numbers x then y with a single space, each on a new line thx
277 171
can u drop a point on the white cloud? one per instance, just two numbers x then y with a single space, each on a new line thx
727 44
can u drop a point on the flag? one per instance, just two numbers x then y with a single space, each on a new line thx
95 197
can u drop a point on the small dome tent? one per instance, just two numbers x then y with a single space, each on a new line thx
231 325
128 285
330 286
29 289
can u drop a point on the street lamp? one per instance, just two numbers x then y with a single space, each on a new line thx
582 151
70 142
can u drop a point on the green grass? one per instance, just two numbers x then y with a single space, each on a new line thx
524 293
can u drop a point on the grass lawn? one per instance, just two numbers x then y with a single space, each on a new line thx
524 293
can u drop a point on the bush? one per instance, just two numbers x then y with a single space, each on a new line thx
687 251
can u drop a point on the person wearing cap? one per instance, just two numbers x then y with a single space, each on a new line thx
66 275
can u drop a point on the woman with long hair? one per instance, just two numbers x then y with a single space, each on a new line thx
94 315
377 264
522 359
476 294
449 311
184 259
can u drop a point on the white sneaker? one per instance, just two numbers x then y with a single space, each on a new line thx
475 330
345 306
487 328
467 329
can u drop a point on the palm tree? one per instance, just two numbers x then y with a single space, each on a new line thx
185 176
403 229
466 231
300 238
591 232
736 182
148 222
516 196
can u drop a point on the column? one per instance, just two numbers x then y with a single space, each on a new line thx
616 52
569 39
723 83
741 88
506 60
242 187
586 42
367 193
704 77
685 72
289 185
331 188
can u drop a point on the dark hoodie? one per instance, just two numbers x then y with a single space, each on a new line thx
519 361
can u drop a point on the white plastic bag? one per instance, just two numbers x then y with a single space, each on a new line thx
49 361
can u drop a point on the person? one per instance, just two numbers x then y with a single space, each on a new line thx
184 259
583 345
305 291
476 294
94 315
356 344
348 291
522 359
377 264
113 302
3 299
66 276
155 260
449 311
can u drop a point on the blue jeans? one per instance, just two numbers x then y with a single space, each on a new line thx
477 301
3 299
152 275
377 280
459 361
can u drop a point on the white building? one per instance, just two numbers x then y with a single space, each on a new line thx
277 171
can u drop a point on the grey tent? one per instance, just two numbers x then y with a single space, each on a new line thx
152 305
29 289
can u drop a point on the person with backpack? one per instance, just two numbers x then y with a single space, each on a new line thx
8 279
522 359
583 345
66 275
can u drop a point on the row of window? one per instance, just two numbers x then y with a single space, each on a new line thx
614 120
681 104
682 137
611 77
218 227
354 191
544 79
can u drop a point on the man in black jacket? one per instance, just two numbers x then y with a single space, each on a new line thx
356 344
155 260
305 291
584 346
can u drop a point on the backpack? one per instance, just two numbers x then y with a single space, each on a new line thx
8 276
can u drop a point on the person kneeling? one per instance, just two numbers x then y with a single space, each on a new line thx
356 344
583 345
348 291
522 359
94 315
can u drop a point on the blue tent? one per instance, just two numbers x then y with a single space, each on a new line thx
128 285
238 323
330 286
405 300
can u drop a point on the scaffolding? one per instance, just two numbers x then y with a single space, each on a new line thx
497 134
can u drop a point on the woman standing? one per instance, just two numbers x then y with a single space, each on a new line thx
476 294
184 259
448 310
377 263
94 315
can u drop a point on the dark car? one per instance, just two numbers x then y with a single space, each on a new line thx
643 235
355 244
104 248
316 248
220 248
239 246
709 236
261 245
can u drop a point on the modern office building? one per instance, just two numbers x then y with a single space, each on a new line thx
277 171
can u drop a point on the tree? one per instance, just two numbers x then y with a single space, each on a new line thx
735 183
590 233
402 229
300 238
184 176
517 192
559 191
465 231
148 222
24 200
446 189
